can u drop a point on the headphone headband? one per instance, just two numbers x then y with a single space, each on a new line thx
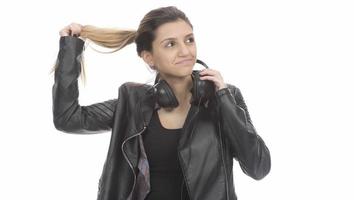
202 63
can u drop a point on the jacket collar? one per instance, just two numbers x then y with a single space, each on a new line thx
146 104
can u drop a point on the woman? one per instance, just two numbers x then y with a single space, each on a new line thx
182 150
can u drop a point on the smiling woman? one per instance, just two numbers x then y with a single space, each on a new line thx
173 54
173 47
179 150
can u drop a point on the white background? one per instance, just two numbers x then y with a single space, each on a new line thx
292 60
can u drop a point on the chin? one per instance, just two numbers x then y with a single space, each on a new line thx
186 72
181 71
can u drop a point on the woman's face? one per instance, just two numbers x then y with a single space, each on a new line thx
173 50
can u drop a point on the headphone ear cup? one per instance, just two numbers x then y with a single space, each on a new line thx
164 95
202 89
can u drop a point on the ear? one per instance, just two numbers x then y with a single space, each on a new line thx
148 58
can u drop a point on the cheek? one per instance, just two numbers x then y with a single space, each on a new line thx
166 58
194 50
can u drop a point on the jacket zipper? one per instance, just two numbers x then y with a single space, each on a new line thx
222 157
184 176
126 158
179 155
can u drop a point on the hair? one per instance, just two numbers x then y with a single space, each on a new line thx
143 36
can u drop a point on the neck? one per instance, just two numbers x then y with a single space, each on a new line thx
181 88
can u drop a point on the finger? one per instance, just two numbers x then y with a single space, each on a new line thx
211 78
73 29
206 72
216 81
209 72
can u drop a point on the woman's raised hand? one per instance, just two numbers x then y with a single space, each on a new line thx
73 29
214 76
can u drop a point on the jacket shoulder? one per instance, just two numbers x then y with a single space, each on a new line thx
234 90
135 87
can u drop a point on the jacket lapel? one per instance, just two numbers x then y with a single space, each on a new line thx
134 146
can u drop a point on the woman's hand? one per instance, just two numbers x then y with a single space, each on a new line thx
72 29
214 76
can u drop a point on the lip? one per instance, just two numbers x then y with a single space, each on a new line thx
185 61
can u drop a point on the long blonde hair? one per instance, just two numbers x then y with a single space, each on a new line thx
112 38
118 38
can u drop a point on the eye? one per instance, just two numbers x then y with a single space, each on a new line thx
172 44
191 39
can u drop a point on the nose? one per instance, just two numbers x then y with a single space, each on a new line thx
183 50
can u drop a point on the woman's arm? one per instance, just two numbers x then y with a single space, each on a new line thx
244 142
68 115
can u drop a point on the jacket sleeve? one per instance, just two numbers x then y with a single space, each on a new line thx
68 115
244 143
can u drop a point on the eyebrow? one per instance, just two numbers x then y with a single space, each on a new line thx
172 38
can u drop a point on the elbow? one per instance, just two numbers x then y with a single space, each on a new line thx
59 125
262 168
262 171
258 168
258 173
63 126
71 126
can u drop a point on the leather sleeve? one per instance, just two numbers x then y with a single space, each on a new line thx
68 115
244 143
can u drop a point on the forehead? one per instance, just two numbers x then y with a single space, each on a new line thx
174 29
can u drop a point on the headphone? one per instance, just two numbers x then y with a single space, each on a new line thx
202 90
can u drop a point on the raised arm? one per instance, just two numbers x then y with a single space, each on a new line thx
68 115
244 143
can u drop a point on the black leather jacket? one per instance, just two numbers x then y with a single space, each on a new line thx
214 133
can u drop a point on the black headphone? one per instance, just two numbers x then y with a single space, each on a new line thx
202 90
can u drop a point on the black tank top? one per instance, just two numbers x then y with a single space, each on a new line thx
166 178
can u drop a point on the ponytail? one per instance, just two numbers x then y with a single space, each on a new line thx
106 37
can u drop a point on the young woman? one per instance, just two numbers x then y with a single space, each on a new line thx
182 148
